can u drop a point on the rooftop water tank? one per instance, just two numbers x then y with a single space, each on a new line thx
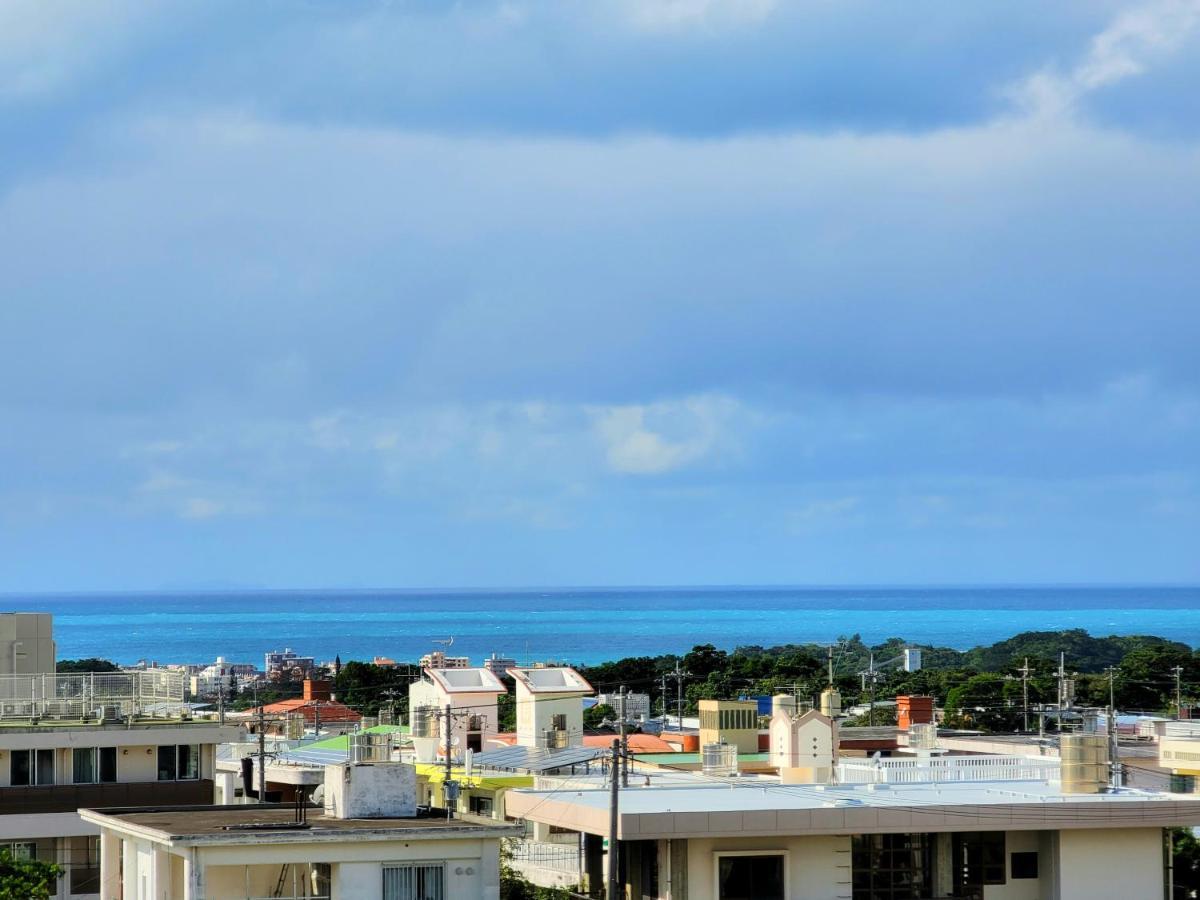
1085 763
719 759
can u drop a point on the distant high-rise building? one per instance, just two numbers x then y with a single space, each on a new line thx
439 660
499 665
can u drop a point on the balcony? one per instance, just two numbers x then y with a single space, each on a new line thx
59 798
94 696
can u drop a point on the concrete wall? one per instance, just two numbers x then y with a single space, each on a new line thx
1119 862
26 643
371 790
1021 888
817 867
535 712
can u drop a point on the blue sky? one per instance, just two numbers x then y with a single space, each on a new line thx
510 292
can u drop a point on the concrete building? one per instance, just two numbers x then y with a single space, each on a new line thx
499 665
439 660
103 739
287 665
471 693
637 706
1000 829
803 744
550 707
367 842
730 722
220 675
26 643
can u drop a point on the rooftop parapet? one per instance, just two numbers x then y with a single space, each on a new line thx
88 696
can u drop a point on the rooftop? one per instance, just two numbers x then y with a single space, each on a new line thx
679 806
466 681
559 680
237 825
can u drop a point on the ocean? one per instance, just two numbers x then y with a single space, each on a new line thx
585 625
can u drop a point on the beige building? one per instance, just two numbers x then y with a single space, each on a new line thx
803 744
550 706
732 722
472 695
26 643
366 843
987 829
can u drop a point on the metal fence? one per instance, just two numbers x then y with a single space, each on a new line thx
92 695
563 858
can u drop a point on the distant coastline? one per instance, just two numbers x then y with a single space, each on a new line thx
588 625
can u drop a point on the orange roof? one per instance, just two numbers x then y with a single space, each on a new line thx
639 743
331 710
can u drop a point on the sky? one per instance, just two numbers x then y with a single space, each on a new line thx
589 292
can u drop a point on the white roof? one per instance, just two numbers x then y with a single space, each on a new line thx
557 680
466 681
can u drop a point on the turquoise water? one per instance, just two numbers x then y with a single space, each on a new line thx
586 626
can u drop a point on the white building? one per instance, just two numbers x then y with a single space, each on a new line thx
637 706
803 745
220 675
286 664
366 843
550 707
471 694
999 829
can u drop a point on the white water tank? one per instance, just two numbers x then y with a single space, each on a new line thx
719 759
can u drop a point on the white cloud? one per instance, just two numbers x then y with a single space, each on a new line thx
1122 50
662 437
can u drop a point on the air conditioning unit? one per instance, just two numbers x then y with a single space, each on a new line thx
554 739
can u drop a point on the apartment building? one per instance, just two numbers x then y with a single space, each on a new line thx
1003 828
550 706
472 696
104 739
439 660
366 842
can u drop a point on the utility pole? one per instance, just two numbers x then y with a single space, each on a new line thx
679 675
221 701
870 675
262 756
624 740
446 789
1114 748
664 700
1024 670
1062 685
614 851
1178 670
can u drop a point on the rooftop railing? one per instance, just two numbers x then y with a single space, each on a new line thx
940 769
92 695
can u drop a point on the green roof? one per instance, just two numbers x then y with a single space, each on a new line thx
342 741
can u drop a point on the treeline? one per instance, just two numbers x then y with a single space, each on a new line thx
980 688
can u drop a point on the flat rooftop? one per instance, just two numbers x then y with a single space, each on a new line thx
682 807
244 823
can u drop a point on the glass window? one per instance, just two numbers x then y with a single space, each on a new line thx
19 768
750 878
83 765
108 764
413 883
891 866
979 859
189 762
167 769
481 806
23 850
85 866
1025 864
45 767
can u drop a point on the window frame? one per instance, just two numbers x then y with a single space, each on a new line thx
35 771
719 855
98 765
438 865
175 759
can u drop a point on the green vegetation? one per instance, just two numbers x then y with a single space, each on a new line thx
27 879
65 666
980 688
514 887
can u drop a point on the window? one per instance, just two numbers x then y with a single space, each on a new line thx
85 867
1025 864
94 765
979 859
21 849
416 882
31 767
891 866
481 806
757 877
179 762
558 722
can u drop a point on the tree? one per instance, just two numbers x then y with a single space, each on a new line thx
594 717
366 686
91 664
27 879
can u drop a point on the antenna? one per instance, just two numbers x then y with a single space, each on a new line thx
447 643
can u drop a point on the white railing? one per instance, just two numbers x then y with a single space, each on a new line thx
91 695
562 858
948 768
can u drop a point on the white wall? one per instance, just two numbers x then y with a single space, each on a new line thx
535 712
1117 863
1021 888
817 867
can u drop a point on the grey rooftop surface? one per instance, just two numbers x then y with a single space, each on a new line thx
266 823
